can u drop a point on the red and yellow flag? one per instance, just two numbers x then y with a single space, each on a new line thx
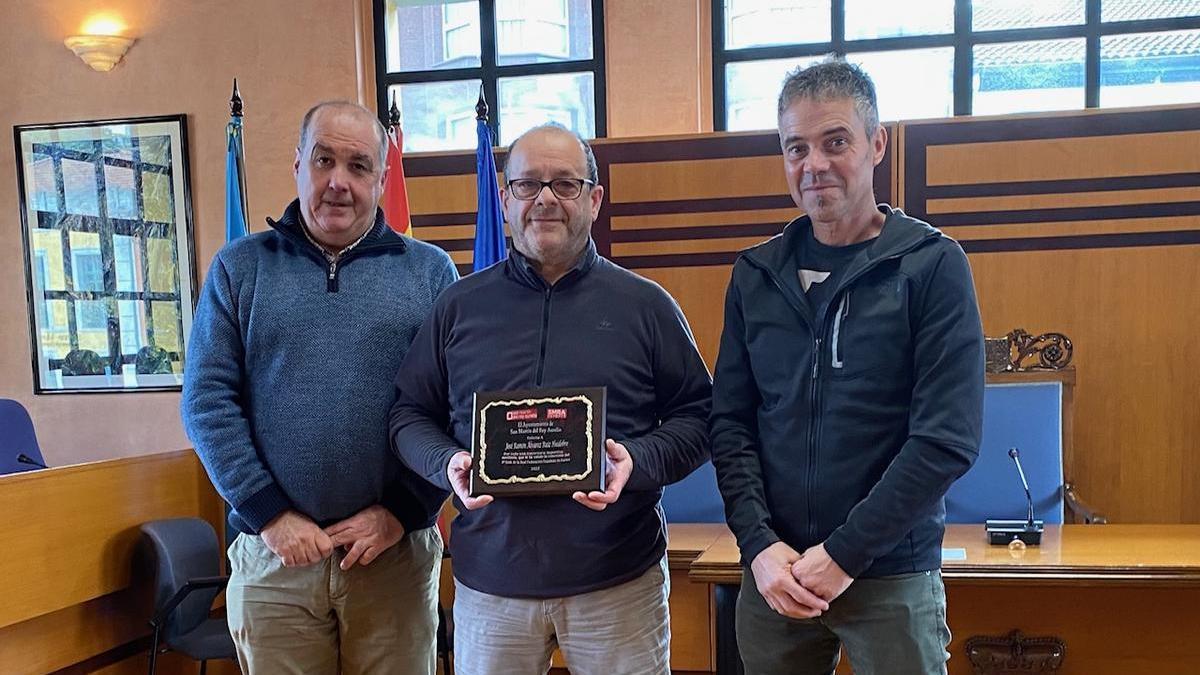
395 193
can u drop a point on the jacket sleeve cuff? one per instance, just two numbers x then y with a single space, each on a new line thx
639 479
756 544
406 508
263 506
847 556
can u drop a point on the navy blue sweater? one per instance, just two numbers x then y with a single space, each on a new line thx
848 428
288 379
600 325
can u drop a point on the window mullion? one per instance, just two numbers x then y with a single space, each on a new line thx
837 26
964 57
489 64
1091 63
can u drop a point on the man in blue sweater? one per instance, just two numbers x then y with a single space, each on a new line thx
298 333
587 573
848 396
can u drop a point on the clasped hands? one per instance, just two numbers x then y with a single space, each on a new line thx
618 467
298 541
798 585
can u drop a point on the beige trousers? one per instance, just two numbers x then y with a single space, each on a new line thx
623 630
318 620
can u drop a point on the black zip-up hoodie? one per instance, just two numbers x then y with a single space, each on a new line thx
504 328
848 429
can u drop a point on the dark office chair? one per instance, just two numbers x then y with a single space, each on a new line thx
445 628
184 555
19 449
82 362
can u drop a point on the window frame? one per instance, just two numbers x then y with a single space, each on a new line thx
489 70
178 233
963 40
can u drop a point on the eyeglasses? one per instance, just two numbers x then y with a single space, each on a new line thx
526 189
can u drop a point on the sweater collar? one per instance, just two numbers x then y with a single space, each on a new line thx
379 236
520 268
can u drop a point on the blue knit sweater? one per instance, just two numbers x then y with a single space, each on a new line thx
289 373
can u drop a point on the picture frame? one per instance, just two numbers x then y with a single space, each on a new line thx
110 273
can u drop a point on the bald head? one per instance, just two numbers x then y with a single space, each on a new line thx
344 108
589 160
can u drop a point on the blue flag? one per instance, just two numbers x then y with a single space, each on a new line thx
235 181
489 223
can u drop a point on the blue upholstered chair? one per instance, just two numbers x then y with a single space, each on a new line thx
1027 416
17 439
186 560
694 499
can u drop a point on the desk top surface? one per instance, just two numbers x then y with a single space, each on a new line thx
1069 553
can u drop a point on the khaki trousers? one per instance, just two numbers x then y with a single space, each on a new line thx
623 630
318 620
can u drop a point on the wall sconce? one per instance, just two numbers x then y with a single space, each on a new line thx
100 45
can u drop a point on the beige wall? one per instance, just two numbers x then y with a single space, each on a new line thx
658 63
286 54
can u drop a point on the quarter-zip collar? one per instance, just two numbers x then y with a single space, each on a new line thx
379 238
520 269
777 256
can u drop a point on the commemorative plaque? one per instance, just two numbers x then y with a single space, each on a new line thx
538 442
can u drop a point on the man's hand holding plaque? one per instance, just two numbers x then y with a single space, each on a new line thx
459 473
618 466
544 442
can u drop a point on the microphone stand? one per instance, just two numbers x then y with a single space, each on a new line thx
1028 531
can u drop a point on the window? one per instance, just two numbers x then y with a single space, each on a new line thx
536 60
960 57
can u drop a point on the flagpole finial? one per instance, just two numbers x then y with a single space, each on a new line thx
481 107
235 101
394 113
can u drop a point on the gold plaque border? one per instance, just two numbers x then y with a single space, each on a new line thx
541 477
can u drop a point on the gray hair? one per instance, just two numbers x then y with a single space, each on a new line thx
593 173
832 78
349 107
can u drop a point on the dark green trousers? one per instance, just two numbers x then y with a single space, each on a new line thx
893 626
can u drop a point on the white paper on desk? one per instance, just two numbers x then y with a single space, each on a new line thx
954 554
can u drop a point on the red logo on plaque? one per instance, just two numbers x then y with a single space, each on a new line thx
556 413
523 414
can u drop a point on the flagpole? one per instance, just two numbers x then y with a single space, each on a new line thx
236 209
490 245
394 201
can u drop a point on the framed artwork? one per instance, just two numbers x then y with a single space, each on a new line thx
106 221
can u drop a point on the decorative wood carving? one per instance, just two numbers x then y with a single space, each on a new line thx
1014 653
1052 350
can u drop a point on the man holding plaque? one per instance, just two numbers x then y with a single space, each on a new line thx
554 366
848 397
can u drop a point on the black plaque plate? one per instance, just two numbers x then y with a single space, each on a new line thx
538 442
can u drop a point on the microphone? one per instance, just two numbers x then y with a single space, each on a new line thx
1016 458
26 459
1028 531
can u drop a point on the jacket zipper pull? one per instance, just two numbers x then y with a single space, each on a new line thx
331 285
816 358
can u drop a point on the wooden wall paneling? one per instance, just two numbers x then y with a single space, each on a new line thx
1104 629
700 292
1088 224
68 586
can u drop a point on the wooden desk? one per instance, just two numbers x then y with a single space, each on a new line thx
1122 598
69 594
